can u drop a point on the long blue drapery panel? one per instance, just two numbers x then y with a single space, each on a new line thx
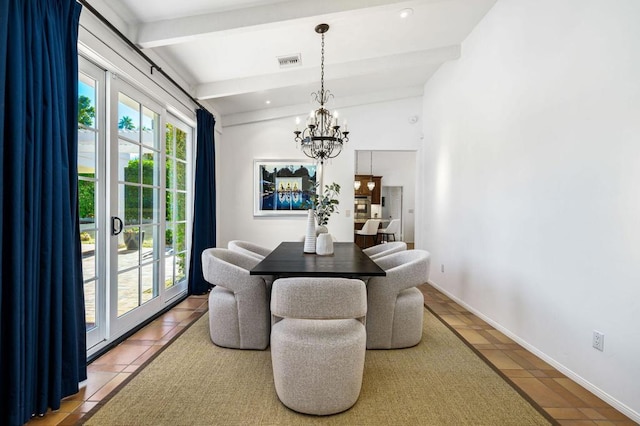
42 323
204 210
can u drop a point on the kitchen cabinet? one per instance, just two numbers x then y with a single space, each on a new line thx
377 191
364 189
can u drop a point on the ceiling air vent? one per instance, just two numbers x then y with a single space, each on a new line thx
290 61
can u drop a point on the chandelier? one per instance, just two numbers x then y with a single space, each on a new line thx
322 137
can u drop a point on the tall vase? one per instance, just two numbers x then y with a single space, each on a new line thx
310 236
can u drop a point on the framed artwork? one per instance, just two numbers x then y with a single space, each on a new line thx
283 187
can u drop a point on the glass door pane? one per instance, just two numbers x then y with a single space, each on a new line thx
90 196
177 141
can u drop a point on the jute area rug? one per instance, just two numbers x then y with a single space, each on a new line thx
438 382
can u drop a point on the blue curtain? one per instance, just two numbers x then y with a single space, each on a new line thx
42 339
204 210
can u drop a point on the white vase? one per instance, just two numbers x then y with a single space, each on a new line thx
324 245
310 236
321 229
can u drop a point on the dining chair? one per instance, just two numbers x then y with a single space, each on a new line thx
239 303
395 306
369 229
391 230
318 343
253 250
249 248
380 250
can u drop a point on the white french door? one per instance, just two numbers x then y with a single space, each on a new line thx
133 181
135 163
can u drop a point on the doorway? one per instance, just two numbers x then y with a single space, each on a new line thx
395 170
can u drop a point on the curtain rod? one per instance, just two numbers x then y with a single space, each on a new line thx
139 51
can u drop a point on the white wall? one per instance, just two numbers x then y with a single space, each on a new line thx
531 172
273 139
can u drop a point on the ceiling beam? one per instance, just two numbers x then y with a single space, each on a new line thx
179 30
291 78
344 102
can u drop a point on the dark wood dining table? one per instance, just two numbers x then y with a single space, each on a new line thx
289 260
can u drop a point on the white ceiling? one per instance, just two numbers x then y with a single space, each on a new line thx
227 49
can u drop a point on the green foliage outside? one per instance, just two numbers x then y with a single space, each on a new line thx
87 196
86 189
126 123
86 112
176 200
175 211
131 193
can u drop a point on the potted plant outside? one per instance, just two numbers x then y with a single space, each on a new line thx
133 238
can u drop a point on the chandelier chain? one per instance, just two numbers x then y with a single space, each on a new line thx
322 72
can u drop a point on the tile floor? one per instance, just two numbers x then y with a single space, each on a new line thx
565 402
111 369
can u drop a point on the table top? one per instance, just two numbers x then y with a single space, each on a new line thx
289 260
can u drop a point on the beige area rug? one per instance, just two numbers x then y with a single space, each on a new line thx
439 382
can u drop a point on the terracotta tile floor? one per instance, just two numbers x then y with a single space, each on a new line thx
564 402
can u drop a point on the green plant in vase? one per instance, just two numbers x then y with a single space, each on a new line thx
325 204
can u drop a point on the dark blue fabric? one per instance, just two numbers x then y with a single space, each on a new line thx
42 325
204 204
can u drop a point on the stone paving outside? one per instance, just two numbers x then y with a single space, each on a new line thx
127 281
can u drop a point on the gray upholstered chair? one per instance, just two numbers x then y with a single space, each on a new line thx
239 302
249 248
318 343
254 250
395 305
380 250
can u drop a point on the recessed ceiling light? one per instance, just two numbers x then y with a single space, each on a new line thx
405 13
267 102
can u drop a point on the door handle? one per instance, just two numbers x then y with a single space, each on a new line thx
116 225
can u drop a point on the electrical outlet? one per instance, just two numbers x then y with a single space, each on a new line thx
442 268
598 340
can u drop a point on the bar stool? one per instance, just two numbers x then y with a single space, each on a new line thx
391 230
369 229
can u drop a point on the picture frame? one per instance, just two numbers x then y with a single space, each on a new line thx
283 187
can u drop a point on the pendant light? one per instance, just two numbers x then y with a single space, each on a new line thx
371 184
356 183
